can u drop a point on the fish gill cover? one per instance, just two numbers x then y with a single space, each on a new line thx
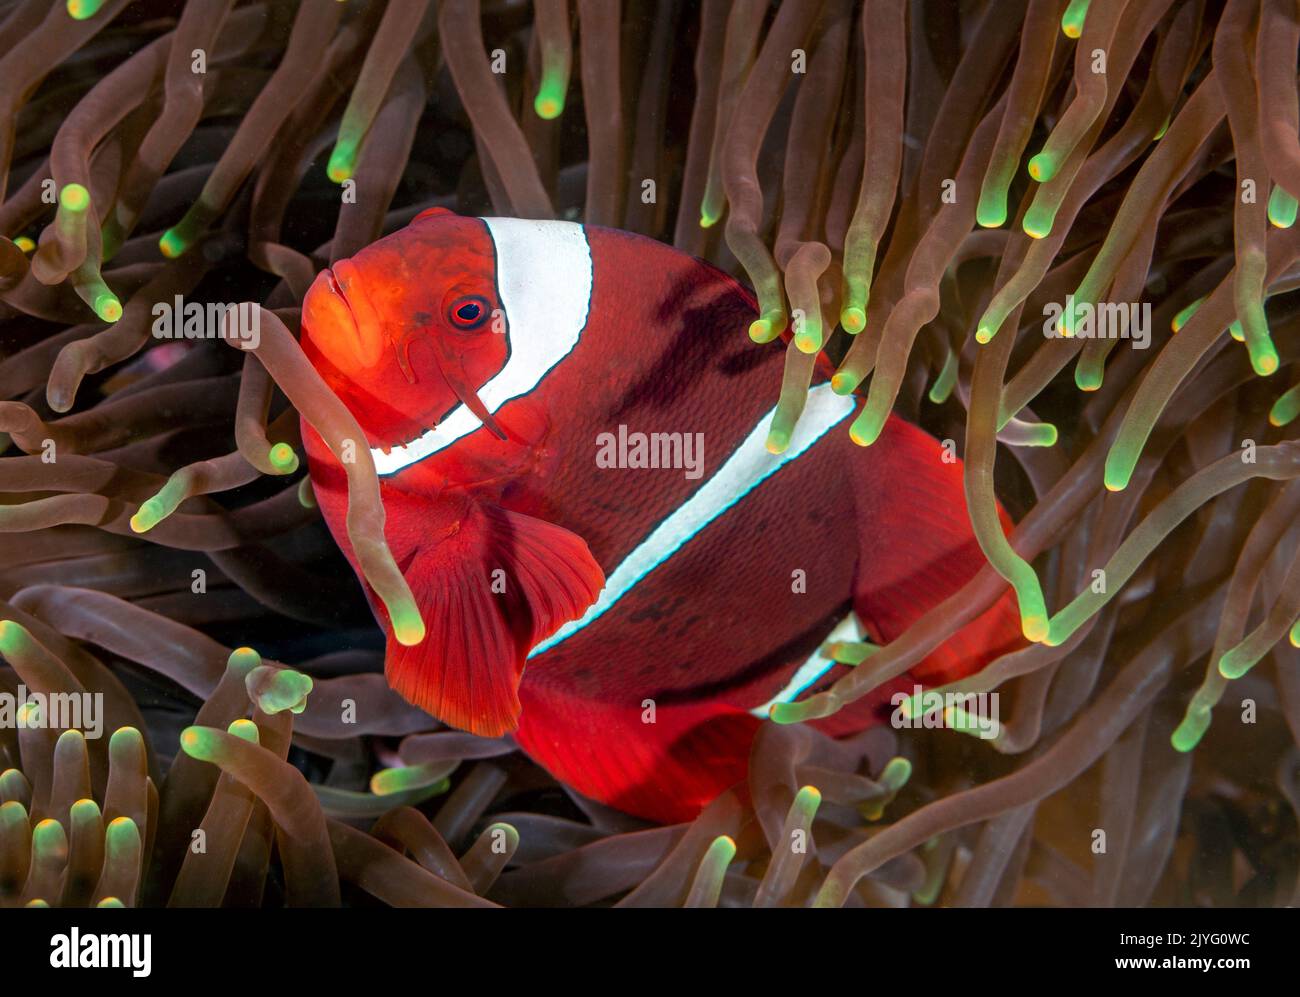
1057 236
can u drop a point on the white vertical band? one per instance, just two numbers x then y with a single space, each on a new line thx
544 278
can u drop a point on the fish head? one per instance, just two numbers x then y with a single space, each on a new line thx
410 328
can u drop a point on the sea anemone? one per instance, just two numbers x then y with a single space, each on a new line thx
945 198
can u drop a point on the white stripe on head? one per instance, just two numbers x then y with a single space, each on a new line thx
544 278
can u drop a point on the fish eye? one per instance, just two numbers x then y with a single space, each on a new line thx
468 313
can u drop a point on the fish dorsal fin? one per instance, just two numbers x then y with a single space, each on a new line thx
544 279
494 584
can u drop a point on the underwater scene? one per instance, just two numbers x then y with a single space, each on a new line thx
648 453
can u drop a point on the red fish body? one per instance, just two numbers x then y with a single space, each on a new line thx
569 424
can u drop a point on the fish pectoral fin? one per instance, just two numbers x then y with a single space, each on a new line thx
551 568
488 592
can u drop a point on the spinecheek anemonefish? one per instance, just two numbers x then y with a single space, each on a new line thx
630 624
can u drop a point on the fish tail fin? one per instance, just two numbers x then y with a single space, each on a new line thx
490 583
917 548
664 761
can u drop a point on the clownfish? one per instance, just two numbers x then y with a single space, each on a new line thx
569 425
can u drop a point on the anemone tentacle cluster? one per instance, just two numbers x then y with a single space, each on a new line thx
1060 235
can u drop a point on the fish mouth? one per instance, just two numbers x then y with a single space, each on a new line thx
332 282
360 335
341 321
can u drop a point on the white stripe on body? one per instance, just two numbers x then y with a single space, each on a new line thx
744 470
817 665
